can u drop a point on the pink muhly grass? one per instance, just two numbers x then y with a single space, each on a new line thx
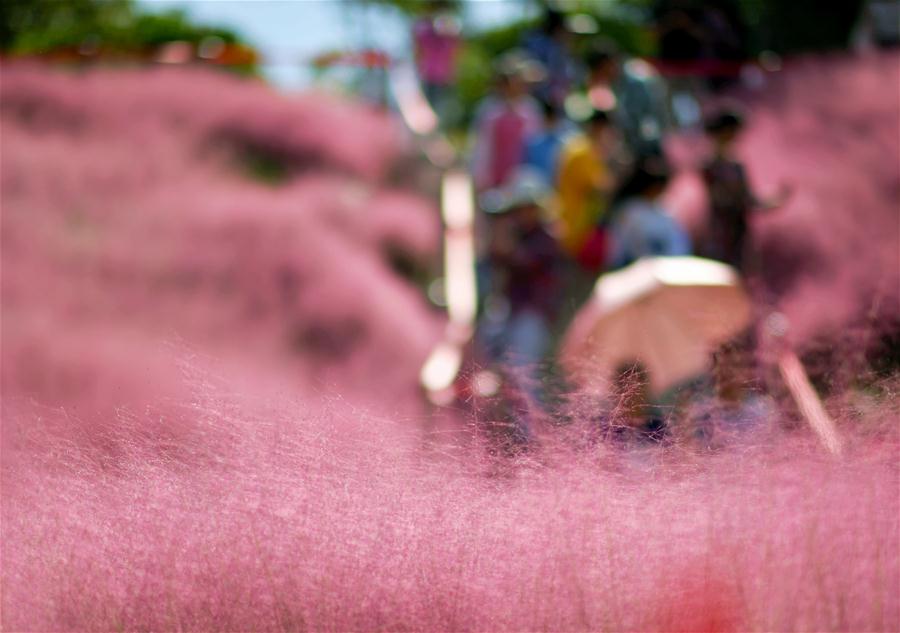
210 419
225 519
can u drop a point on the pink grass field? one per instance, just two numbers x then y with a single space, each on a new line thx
210 412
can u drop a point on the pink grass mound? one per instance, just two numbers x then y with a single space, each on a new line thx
125 209
830 130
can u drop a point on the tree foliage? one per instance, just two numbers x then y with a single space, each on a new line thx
416 7
42 26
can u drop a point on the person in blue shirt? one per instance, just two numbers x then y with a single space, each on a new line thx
542 149
640 225
550 45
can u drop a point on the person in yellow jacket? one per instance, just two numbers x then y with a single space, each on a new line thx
585 183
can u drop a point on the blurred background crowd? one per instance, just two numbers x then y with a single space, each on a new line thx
588 118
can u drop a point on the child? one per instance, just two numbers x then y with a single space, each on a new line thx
732 202
523 259
640 226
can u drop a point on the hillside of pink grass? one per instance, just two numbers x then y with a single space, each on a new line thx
830 129
210 418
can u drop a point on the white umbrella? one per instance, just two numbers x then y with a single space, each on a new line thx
665 312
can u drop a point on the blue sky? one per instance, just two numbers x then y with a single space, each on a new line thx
290 31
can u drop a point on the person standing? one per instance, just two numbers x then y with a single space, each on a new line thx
524 259
636 95
503 121
731 199
640 226
550 45
543 148
585 183
436 43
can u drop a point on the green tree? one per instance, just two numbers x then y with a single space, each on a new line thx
41 26
416 7
30 24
